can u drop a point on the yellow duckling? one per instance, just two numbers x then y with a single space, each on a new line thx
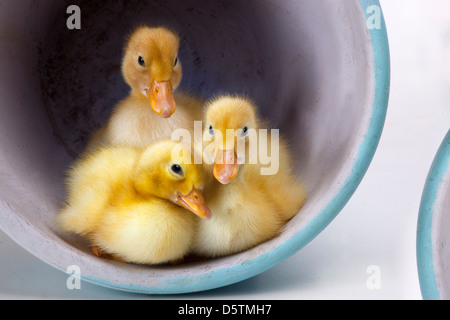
133 204
152 69
250 204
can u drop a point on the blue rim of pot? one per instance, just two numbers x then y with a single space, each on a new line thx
425 241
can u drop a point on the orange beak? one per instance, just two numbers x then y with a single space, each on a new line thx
195 203
161 98
226 166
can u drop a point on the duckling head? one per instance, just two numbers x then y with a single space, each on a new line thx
229 122
151 67
166 170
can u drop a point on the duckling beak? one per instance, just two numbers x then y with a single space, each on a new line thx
161 98
195 203
226 166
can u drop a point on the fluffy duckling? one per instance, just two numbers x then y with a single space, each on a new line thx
152 69
250 205
134 205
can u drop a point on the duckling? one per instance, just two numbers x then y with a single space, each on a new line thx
135 205
152 69
249 207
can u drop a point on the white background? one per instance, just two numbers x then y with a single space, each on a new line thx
376 228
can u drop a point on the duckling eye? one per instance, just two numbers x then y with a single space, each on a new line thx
176 62
211 130
141 61
176 168
244 131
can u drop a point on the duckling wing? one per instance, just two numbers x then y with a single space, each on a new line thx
91 183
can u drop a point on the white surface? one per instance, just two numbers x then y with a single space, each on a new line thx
376 228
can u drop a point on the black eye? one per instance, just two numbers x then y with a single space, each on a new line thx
244 130
141 61
176 168
211 130
176 62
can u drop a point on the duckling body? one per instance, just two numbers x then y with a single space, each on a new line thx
138 231
242 220
248 207
133 123
129 205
